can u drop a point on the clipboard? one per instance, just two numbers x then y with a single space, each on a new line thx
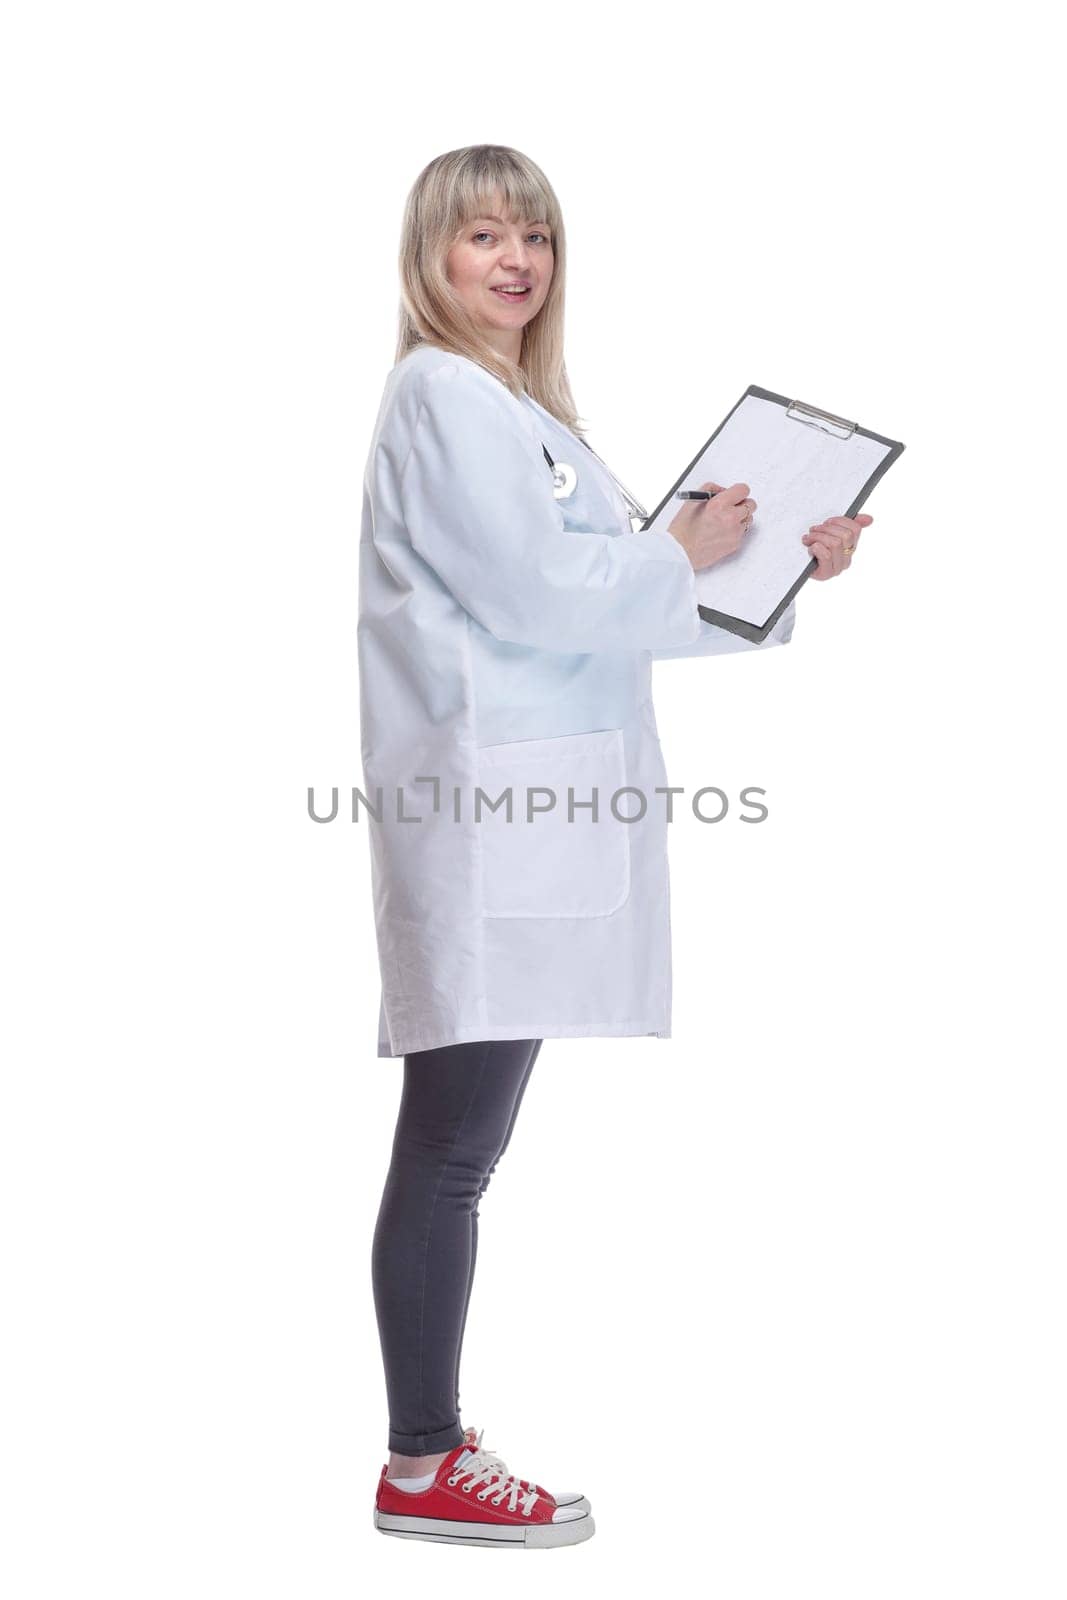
797 479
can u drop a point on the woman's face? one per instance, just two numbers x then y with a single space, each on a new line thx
492 251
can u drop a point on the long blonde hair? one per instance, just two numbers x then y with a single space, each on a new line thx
448 194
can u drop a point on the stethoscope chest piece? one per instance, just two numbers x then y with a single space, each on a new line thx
564 480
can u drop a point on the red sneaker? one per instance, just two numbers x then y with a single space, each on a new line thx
474 1499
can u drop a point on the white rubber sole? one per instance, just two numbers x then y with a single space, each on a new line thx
510 1536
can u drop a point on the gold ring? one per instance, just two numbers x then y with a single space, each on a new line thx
849 549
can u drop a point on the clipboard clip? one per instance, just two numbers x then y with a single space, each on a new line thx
799 412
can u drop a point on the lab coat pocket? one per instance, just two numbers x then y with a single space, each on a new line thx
550 865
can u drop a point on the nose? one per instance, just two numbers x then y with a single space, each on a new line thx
515 254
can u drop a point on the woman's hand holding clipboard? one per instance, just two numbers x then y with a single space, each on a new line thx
833 543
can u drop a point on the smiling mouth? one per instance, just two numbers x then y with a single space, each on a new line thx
511 294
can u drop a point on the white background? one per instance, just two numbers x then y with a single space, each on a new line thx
783 1295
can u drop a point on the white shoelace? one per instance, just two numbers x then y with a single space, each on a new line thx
482 1466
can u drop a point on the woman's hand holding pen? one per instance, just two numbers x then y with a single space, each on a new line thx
708 530
833 543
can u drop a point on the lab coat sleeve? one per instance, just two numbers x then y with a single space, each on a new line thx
477 500
715 641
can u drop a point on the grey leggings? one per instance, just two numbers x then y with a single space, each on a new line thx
457 1108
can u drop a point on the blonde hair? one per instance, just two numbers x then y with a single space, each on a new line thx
448 194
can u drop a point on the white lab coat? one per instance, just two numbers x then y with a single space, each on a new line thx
505 641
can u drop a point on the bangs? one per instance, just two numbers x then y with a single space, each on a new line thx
494 185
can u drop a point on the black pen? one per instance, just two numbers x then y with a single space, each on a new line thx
696 494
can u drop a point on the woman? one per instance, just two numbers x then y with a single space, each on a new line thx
506 634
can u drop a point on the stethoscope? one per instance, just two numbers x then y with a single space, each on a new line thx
565 481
